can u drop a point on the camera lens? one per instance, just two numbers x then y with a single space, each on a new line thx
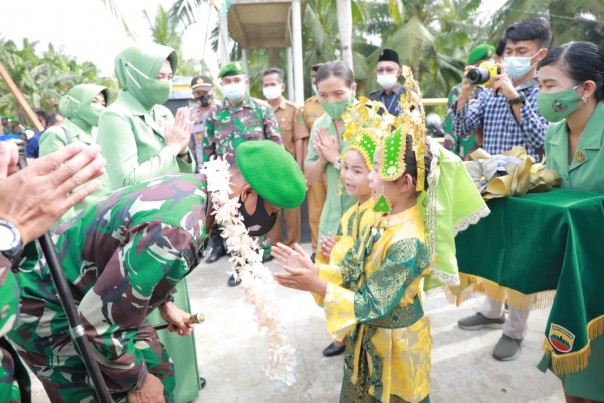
478 75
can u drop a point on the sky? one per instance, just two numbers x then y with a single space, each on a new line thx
88 30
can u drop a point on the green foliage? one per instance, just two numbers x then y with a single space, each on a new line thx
165 29
168 29
432 36
42 77
570 20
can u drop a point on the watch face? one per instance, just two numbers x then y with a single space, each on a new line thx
7 238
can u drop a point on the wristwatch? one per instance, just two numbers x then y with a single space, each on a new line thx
338 164
10 240
520 99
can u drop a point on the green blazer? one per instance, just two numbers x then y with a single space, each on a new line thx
335 204
586 170
54 138
133 142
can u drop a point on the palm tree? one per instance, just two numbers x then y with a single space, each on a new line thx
432 36
344 13
570 20
165 29
42 78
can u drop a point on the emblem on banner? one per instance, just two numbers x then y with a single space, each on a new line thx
561 338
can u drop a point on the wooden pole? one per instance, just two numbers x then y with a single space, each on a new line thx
20 98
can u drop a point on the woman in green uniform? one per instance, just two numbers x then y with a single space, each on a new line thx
82 107
336 91
141 140
571 90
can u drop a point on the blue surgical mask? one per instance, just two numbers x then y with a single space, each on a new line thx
234 91
517 67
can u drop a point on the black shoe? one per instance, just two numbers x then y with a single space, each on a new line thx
215 254
202 382
313 257
232 282
217 245
332 350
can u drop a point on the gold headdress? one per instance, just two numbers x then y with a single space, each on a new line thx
450 203
411 121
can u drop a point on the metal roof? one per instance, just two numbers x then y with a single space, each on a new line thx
261 23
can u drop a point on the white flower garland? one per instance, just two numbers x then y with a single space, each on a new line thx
256 280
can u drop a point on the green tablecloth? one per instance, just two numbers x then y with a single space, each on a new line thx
538 243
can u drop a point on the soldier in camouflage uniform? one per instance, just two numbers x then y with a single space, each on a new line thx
240 118
11 367
43 188
453 142
123 259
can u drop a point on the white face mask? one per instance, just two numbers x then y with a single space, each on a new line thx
234 92
517 67
271 93
386 80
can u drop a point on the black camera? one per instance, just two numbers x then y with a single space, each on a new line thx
482 74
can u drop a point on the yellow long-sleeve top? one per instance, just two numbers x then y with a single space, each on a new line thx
353 223
372 297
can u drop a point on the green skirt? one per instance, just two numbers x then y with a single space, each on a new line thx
181 349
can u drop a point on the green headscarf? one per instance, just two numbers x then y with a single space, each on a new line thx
76 106
136 68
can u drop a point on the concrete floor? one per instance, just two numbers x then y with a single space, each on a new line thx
231 351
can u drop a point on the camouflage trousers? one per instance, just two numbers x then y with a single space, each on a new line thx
43 341
14 380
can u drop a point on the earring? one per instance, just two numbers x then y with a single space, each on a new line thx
584 99
383 204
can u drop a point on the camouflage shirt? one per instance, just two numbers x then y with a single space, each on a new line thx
9 297
230 126
122 260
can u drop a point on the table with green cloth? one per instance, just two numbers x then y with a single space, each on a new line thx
539 249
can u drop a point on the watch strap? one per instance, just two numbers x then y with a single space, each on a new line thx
520 99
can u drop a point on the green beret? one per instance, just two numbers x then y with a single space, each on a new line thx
231 69
272 172
481 52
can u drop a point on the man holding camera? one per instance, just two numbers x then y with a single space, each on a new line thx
509 117
508 113
462 147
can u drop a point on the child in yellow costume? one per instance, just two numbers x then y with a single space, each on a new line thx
423 195
357 160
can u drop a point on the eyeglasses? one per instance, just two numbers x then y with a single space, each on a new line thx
388 70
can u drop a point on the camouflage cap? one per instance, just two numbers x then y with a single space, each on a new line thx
272 172
481 52
231 69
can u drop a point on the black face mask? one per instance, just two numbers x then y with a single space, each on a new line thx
205 100
260 222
